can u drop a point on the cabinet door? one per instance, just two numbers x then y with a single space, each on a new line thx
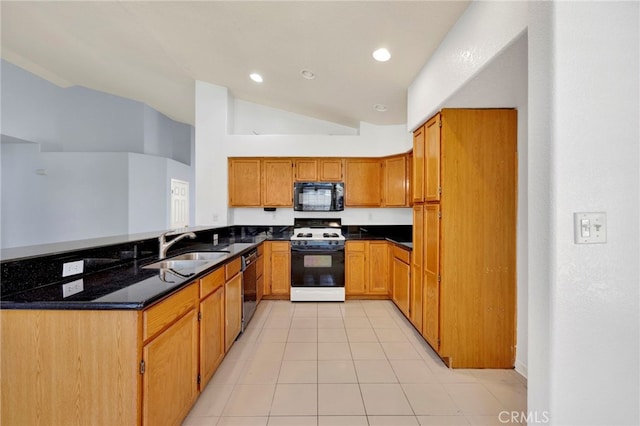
233 310
212 343
395 182
278 183
417 180
363 182
417 271
356 270
259 277
432 159
401 278
378 268
170 385
245 182
306 170
431 326
330 169
280 269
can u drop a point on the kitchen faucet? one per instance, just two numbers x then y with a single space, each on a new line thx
164 245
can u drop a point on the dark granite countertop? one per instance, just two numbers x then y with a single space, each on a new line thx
129 286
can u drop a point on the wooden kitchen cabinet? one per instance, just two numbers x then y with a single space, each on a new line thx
277 269
212 324
232 303
330 170
401 280
468 237
431 239
170 358
378 283
418 166
416 290
396 182
432 188
260 273
367 269
318 169
363 182
306 169
277 188
356 270
245 182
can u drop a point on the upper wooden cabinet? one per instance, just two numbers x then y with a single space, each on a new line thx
278 183
432 188
396 182
363 183
417 177
245 182
318 169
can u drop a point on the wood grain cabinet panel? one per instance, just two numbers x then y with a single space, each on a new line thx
418 166
212 342
356 268
468 237
306 169
245 182
330 170
378 283
233 310
277 269
278 183
396 182
170 382
363 182
401 280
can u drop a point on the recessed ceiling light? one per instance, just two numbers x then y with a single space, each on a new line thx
382 55
380 107
308 74
256 77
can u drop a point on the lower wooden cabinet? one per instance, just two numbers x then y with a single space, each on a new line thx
277 269
367 268
212 342
170 384
233 310
401 278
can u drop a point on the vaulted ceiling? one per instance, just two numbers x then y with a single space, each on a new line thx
154 51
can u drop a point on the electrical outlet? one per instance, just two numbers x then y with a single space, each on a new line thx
72 268
72 288
215 239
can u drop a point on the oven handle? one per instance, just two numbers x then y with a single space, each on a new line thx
311 250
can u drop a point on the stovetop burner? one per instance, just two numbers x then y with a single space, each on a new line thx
304 235
329 235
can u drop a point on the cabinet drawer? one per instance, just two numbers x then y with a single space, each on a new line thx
260 249
232 268
356 245
402 254
279 246
211 282
162 315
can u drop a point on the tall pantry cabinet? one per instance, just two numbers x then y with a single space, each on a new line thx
464 193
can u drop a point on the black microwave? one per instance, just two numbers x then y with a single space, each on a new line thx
318 196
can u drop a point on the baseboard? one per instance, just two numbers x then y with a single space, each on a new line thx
521 369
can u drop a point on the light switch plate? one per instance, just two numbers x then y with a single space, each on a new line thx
590 228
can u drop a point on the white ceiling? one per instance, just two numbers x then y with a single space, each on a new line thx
154 51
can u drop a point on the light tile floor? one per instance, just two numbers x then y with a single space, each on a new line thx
354 363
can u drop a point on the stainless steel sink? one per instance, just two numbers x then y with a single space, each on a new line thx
188 260
177 264
201 255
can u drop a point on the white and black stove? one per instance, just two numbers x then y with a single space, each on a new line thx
317 260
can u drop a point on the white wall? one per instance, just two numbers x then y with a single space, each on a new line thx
214 146
594 289
582 155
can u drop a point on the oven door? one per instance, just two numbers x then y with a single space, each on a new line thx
317 267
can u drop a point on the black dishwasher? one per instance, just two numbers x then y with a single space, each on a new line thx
249 281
